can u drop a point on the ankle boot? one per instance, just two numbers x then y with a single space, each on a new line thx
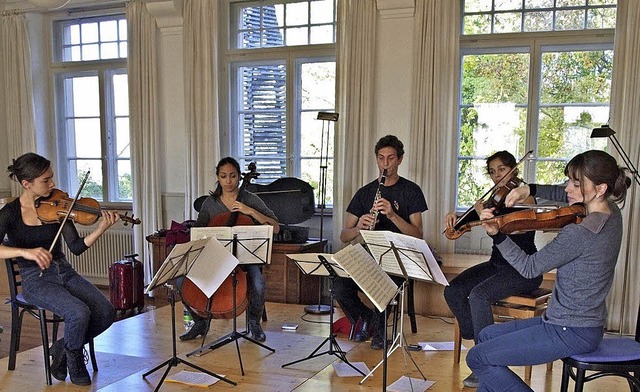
200 327
58 360
77 368
256 331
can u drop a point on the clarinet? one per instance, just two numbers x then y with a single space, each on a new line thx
373 211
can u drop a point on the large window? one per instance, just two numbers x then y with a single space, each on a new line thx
282 73
525 91
92 107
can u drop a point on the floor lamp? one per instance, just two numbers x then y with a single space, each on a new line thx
606 131
327 118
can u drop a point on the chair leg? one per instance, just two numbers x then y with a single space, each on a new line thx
45 345
16 319
566 370
527 372
411 307
92 354
457 341
580 374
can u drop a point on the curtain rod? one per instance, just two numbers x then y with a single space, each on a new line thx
99 7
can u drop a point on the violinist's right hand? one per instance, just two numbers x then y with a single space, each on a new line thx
40 255
517 195
491 227
450 219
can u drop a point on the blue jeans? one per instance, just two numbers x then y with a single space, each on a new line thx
470 294
86 311
525 342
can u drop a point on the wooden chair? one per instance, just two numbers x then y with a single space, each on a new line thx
615 356
18 307
515 307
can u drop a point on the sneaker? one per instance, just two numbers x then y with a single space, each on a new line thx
58 365
77 369
471 381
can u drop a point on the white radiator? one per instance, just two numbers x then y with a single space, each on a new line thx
94 263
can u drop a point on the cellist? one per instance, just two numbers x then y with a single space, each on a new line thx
226 198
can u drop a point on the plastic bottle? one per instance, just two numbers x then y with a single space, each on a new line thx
187 319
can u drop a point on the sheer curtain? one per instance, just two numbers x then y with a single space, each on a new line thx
201 98
625 117
19 122
355 57
143 119
433 120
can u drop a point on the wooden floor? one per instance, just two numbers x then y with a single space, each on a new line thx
137 344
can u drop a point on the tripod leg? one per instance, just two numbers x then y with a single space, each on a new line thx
163 364
171 364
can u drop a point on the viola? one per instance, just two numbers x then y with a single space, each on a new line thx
497 198
540 218
85 210
222 304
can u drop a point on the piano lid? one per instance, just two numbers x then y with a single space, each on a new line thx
290 198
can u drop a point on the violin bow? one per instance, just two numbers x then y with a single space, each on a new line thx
492 188
66 216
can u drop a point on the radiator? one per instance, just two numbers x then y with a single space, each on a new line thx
94 263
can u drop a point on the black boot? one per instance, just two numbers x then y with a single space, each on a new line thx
58 360
77 368
256 331
200 327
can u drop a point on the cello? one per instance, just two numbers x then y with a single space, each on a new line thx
221 304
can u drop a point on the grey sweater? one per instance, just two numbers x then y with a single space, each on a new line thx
213 206
584 255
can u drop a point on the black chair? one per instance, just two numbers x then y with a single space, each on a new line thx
615 356
18 307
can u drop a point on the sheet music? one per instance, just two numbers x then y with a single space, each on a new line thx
367 274
415 254
254 242
310 264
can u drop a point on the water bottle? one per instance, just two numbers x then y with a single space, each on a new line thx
187 319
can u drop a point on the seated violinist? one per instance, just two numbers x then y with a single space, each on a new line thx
48 280
471 293
226 198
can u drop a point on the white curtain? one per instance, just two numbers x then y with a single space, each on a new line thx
625 117
143 119
433 120
18 115
354 140
201 98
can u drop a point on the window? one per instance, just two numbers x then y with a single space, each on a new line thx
531 91
282 73
92 107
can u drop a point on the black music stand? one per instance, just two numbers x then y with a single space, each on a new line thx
334 347
175 267
234 335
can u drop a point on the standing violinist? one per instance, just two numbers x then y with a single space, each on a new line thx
226 198
584 256
470 294
48 280
399 209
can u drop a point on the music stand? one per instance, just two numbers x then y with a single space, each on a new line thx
254 250
334 347
178 264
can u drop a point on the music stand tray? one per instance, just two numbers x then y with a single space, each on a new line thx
324 268
178 264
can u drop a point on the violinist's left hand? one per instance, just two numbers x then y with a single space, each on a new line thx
492 228
109 218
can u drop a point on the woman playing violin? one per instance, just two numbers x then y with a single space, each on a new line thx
48 280
584 255
228 197
471 293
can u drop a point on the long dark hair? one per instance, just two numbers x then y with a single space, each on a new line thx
505 157
28 167
224 161
600 168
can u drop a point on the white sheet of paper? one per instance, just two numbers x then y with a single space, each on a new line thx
367 274
415 254
310 264
438 346
213 266
178 261
254 242
193 378
344 370
409 384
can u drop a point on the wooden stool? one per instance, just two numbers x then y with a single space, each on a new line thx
515 307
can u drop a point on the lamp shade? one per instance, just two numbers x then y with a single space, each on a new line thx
50 5
603 131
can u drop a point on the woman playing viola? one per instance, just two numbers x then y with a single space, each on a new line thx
471 293
48 280
228 197
584 256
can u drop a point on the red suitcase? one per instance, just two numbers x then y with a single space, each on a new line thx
126 284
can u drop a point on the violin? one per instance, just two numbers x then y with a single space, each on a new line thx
540 218
85 211
222 304
497 198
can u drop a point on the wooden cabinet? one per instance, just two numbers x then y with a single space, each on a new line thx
285 282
